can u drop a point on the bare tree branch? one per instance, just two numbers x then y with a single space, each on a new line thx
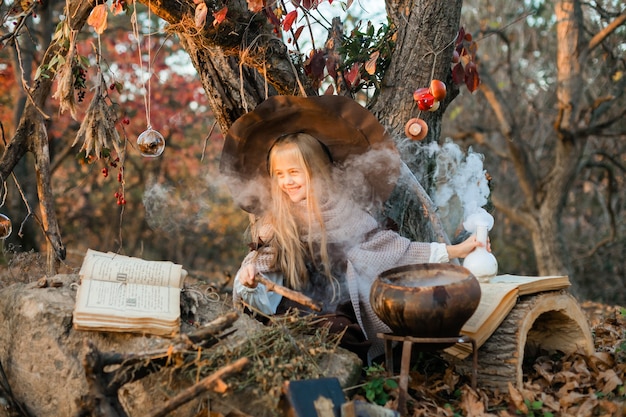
509 131
604 33
612 222
515 213
206 384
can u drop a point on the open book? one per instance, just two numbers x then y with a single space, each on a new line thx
124 294
498 297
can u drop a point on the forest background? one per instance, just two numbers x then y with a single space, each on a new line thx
176 207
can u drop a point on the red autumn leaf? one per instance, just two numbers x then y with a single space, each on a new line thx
458 74
220 15
271 16
473 48
314 66
352 75
289 19
460 36
472 80
331 67
310 4
298 33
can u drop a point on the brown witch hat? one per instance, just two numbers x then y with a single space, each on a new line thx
345 127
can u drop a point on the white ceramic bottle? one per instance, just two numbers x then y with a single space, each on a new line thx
480 262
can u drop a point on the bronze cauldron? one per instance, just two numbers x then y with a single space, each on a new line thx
425 300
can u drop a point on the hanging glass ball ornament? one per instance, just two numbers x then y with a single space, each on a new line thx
151 143
5 226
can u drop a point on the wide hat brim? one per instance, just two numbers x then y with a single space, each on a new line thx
346 128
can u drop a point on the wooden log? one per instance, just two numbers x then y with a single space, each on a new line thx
549 321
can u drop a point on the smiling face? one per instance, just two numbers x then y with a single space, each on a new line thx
289 172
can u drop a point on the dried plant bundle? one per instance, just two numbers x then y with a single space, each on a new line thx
97 131
65 82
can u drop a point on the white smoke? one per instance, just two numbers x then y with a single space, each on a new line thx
461 185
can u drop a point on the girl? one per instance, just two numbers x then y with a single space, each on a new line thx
314 239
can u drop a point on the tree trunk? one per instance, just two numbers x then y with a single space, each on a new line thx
239 64
542 202
551 253
426 31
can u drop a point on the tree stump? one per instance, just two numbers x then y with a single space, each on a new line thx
549 321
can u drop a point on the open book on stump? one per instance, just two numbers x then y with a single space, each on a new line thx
498 297
119 293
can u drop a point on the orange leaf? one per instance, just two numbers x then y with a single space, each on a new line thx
98 18
471 403
612 380
255 5
220 386
220 15
117 8
518 400
370 65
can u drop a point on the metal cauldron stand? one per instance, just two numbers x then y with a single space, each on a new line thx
407 344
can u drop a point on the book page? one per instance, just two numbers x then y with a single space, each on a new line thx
127 300
492 295
530 284
124 269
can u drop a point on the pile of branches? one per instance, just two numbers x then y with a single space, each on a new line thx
289 347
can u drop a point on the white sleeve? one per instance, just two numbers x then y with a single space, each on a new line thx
438 253
259 298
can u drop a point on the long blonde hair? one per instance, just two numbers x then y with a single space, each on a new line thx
291 251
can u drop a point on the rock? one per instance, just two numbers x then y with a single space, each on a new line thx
42 355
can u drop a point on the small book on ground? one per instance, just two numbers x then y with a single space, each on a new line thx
119 293
498 297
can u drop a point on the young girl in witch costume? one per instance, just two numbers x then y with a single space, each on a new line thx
310 236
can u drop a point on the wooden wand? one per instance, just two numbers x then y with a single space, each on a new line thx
296 296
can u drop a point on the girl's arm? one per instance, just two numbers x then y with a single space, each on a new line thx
461 250
246 289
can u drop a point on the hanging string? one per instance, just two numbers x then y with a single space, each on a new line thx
150 143
98 54
146 88
149 90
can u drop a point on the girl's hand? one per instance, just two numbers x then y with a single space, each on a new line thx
246 276
461 250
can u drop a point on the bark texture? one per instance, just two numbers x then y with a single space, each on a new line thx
551 321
